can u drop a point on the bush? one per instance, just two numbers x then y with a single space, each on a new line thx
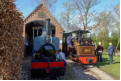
11 42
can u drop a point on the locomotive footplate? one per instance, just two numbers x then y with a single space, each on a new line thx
85 60
43 69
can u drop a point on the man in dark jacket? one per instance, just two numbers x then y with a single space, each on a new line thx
69 43
110 52
99 50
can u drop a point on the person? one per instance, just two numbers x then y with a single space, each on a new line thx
61 56
86 43
94 44
110 52
99 51
89 41
69 43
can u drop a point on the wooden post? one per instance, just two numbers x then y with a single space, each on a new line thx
37 30
33 33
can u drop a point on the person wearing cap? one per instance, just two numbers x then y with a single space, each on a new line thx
110 52
99 50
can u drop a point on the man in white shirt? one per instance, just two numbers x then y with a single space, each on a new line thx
60 56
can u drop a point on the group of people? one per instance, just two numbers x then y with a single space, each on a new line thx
99 51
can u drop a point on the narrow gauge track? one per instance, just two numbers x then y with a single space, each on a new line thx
26 75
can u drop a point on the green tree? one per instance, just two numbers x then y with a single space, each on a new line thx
106 22
114 40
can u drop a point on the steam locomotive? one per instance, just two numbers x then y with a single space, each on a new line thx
44 48
83 47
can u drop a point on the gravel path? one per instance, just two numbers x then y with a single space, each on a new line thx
26 75
26 69
80 72
88 72
74 71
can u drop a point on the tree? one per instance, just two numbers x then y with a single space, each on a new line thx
106 22
84 8
117 22
66 16
115 40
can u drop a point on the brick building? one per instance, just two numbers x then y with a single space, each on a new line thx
38 15
41 12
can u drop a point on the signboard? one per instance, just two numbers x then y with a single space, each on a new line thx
41 15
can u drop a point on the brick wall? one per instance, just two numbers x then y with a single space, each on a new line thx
43 10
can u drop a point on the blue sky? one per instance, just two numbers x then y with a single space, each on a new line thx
26 6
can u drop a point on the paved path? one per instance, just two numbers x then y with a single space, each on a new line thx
26 75
80 72
26 69
101 74
88 72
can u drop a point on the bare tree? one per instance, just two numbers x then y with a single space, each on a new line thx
117 10
84 7
106 21
66 15
49 3
117 22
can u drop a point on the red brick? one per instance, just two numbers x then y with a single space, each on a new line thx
34 16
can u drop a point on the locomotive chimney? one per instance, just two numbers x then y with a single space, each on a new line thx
48 30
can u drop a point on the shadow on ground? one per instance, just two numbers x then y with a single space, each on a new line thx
76 72
106 61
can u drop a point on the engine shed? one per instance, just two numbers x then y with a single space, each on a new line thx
34 23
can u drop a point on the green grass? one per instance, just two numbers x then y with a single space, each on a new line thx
112 69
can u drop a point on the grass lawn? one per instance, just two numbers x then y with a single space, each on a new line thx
112 69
